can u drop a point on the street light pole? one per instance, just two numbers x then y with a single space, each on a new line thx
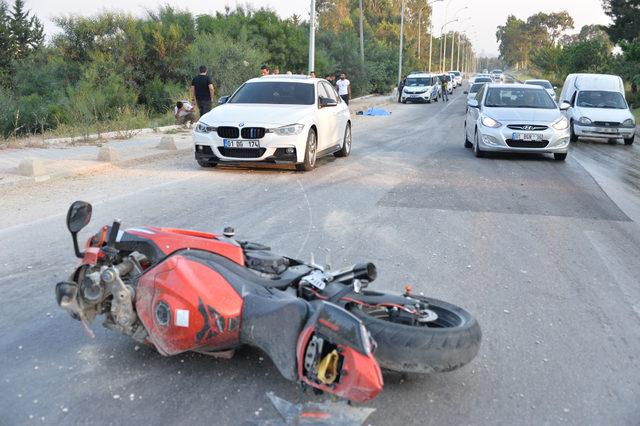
401 41
312 37
361 34
430 43
443 54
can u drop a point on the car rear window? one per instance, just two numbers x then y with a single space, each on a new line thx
541 83
475 88
518 97
274 92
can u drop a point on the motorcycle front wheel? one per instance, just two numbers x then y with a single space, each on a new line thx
442 344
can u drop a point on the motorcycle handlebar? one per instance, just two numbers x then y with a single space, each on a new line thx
113 235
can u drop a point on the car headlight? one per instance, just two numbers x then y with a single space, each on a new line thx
288 130
561 124
628 123
585 121
490 122
203 128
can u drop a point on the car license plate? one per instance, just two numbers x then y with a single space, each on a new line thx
527 137
241 143
606 130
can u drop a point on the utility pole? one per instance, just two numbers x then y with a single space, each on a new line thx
430 43
362 34
458 63
312 37
453 47
401 41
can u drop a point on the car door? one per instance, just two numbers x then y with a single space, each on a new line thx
340 114
326 120
472 115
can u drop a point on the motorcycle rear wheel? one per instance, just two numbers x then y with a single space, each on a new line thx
446 344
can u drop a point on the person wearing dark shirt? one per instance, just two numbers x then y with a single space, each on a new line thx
202 91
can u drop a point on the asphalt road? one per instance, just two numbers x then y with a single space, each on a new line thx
536 249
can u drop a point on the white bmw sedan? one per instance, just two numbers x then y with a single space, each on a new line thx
275 119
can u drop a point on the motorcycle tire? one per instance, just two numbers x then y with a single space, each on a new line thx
448 343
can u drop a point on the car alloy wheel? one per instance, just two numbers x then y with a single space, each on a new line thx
346 143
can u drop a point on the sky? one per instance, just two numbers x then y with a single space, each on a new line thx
480 19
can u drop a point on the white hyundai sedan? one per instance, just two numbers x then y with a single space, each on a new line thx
275 119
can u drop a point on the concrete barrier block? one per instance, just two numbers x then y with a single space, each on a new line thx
106 153
168 143
31 167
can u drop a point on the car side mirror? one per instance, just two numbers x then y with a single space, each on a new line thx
555 87
473 103
78 217
466 92
223 100
327 102
565 106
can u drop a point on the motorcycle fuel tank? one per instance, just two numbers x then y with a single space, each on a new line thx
186 305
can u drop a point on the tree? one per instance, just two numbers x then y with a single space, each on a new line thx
513 42
27 33
6 51
626 20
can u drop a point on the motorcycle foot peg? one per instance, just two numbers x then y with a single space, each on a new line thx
229 232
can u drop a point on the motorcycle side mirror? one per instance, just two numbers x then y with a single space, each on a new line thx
78 217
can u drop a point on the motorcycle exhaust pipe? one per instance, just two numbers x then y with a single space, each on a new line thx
360 271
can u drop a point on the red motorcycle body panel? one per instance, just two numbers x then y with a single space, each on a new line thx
188 306
170 240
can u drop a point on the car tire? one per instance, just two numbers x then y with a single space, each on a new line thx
346 143
310 153
558 156
476 147
630 140
207 164
467 142
573 137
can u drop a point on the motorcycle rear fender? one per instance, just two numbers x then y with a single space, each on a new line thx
359 375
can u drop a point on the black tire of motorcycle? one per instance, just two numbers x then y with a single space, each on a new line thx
424 350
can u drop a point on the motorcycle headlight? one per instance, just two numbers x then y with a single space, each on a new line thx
203 128
490 122
585 121
629 123
561 124
288 130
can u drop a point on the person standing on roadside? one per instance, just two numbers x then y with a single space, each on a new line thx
445 89
202 91
312 74
344 88
264 70
276 71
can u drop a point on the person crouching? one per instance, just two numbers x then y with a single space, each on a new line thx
184 113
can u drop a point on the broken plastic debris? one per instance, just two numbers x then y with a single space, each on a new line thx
313 413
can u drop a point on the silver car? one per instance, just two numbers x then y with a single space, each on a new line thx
473 91
546 84
516 118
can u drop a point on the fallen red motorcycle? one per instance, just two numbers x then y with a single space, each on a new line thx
181 290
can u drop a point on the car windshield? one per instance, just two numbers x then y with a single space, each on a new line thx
496 72
418 81
274 92
512 97
456 73
475 88
541 83
600 99
483 79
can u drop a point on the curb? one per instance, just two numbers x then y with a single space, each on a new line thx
29 181
110 135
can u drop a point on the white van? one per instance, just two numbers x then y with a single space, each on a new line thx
597 107
420 87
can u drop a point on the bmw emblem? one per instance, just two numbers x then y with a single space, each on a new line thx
241 124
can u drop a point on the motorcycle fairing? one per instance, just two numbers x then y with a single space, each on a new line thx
157 243
188 306
358 377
